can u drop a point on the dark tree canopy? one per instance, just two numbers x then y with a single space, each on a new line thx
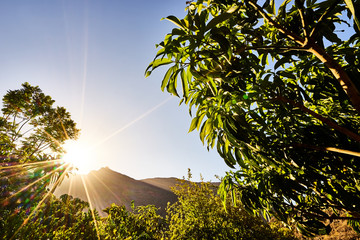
276 91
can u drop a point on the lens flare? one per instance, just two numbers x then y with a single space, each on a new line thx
80 155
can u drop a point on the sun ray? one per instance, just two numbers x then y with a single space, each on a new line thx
52 138
132 122
29 185
59 180
101 181
8 172
70 185
30 164
82 106
80 155
91 207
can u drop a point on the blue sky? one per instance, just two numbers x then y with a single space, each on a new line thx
90 56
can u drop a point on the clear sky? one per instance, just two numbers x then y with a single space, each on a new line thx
90 57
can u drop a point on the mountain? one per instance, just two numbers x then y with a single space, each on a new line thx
105 186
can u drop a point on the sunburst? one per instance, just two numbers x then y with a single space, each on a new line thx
80 155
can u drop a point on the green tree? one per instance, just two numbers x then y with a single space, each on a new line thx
142 223
32 131
30 125
199 214
276 90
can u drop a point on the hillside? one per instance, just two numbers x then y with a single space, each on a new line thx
106 186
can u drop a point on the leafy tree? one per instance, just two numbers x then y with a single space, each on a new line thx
276 90
32 131
199 214
30 125
142 223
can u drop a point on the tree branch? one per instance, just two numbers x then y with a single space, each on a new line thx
339 73
316 28
330 149
26 121
324 120
300 5
281 28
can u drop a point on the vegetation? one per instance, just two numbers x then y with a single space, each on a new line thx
30 125
198 214
142 223
276 90
31 134
64 218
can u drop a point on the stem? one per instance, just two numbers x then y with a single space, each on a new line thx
281 28
308 43
315 29
330 149
324 120
26 121
300 6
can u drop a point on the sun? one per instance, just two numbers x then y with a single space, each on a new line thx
79 155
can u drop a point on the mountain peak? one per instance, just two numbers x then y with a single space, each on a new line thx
105 186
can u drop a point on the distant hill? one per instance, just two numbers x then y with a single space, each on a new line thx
105 186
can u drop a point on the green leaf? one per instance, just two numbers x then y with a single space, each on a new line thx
223 42
218 19
194 123
281 62
270 8
176 21
240 158
201 117
172 84
157 63
286 74
185 79
167 76
264 59
230 160
177 31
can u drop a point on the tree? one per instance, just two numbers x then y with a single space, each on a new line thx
142 223
32 132
30 125
276 90
199 214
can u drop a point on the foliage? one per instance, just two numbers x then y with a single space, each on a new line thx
57 218
30 125
276 91
142 223
199 214
31 134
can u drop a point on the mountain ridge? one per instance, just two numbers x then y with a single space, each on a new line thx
103 187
